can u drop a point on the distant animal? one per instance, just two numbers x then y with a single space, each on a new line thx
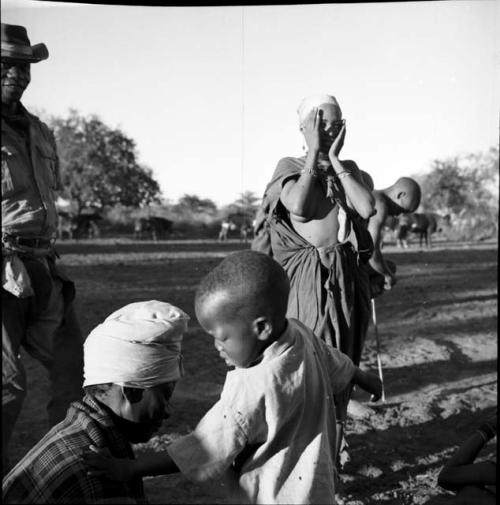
402 229
155 227
86 225
389 228
424 225
225 226
83 225
66 225
245 230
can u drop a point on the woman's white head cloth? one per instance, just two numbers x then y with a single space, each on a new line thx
308 104
138 346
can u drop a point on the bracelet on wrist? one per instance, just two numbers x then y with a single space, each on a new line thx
311 171
344 173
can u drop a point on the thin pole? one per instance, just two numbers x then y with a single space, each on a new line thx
377 339
242 174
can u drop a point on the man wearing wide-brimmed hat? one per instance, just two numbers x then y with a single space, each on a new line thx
37 297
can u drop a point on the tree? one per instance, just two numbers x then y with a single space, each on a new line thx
191 205
99 166
248 201
246 205
466 188
462 184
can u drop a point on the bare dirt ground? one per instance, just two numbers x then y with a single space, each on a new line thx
438 332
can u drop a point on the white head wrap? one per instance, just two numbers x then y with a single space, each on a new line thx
139 346
308 104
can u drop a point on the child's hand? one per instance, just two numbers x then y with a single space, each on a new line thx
102 464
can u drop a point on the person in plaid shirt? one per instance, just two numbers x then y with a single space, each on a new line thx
131 364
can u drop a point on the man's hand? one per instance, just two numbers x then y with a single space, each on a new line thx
337 145
311 129
102 464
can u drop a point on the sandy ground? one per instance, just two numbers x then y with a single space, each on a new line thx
438 337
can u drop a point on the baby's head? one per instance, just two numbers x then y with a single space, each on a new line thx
242 303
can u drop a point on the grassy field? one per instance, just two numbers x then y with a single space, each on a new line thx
439 351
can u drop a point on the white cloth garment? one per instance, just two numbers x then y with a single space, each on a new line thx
308 103
271 436
139 346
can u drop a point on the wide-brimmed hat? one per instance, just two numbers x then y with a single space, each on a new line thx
17 46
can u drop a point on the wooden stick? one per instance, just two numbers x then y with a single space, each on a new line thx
377 339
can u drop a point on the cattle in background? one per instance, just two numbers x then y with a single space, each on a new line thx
83 225
240 221
403 229
246 230
225 226
87 225
424 225
154 227
66 225
389 228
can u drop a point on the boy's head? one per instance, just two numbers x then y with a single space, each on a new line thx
242 303
132 362
405 194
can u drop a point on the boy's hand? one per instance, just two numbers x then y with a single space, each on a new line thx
102 464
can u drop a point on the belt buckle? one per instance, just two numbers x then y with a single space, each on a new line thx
17 240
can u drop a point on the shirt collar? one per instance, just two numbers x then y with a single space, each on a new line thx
279 346
106 427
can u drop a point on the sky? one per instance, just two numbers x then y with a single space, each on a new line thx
210 94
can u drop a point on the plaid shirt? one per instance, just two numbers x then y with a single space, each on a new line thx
54 472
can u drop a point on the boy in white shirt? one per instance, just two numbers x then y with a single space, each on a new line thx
271 436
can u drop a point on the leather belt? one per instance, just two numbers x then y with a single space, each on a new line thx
28 242
34 243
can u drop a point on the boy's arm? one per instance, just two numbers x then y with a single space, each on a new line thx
375 225
154 463
205 453
368 382
102 464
